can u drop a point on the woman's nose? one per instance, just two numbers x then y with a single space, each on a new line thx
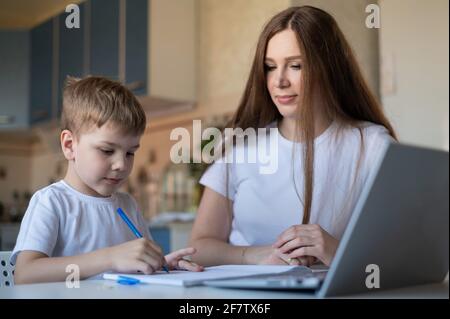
282 81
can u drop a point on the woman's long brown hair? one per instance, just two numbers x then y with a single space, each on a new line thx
329 70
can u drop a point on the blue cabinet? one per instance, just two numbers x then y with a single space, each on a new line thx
14 79
136 53
161 235
112 41
41 72
72 44
104 38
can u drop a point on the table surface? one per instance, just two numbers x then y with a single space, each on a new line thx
109 289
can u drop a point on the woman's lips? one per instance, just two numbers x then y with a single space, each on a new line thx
286 99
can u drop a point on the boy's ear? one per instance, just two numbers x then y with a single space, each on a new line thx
67 144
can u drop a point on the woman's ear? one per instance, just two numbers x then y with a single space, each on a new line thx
67 144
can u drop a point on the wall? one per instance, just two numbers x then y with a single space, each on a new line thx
173 29
414 46
364 41
18 172
228 32
46 167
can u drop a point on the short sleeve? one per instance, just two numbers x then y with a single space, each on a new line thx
377 142
216 177
39 228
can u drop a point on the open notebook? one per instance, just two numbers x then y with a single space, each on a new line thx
188 278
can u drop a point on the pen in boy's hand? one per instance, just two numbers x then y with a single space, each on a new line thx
135 231
166 269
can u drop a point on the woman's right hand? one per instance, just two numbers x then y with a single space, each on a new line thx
267 255
136 255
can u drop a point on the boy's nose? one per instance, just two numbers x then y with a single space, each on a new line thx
118 165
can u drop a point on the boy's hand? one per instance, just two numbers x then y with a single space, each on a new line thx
175 260
136 255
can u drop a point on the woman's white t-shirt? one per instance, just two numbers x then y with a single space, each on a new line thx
60 221
265 205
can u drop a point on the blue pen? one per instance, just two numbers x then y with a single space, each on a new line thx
123 280
133 228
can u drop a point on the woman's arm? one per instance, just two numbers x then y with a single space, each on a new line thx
211 231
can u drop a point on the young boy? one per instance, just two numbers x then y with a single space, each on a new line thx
75 220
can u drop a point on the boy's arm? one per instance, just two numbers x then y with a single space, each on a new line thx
136 255
33 266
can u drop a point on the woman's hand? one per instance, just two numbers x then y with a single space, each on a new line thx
272 256
306 241
178 260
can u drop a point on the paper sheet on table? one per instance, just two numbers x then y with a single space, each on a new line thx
189 278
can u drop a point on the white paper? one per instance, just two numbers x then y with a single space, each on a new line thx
190 278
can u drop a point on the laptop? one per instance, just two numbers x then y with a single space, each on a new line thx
398 234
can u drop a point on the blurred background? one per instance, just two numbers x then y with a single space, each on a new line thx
187 60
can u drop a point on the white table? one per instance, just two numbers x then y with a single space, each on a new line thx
109 289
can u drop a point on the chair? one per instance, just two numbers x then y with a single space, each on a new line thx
6 269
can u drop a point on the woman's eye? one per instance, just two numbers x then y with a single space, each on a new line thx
269 68
296 66
130 154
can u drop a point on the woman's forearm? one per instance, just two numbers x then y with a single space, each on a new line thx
212 252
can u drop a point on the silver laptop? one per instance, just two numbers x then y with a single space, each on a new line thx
398 234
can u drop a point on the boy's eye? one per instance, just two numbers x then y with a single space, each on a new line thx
107 152
130 154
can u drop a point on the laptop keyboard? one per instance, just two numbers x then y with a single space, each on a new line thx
292 277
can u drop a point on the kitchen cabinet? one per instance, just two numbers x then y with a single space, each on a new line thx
27 76
41 83
136 48
172 236
14 78
104 38
116 39
161 235
72 46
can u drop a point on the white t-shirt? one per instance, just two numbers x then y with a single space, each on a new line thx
265 205
60 221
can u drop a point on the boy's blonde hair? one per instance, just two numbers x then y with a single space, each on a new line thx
96 100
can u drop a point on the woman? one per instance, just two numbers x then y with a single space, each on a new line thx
331 131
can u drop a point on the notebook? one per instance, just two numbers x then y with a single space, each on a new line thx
189 279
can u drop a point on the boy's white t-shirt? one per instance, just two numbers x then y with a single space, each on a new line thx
60 221
265 205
